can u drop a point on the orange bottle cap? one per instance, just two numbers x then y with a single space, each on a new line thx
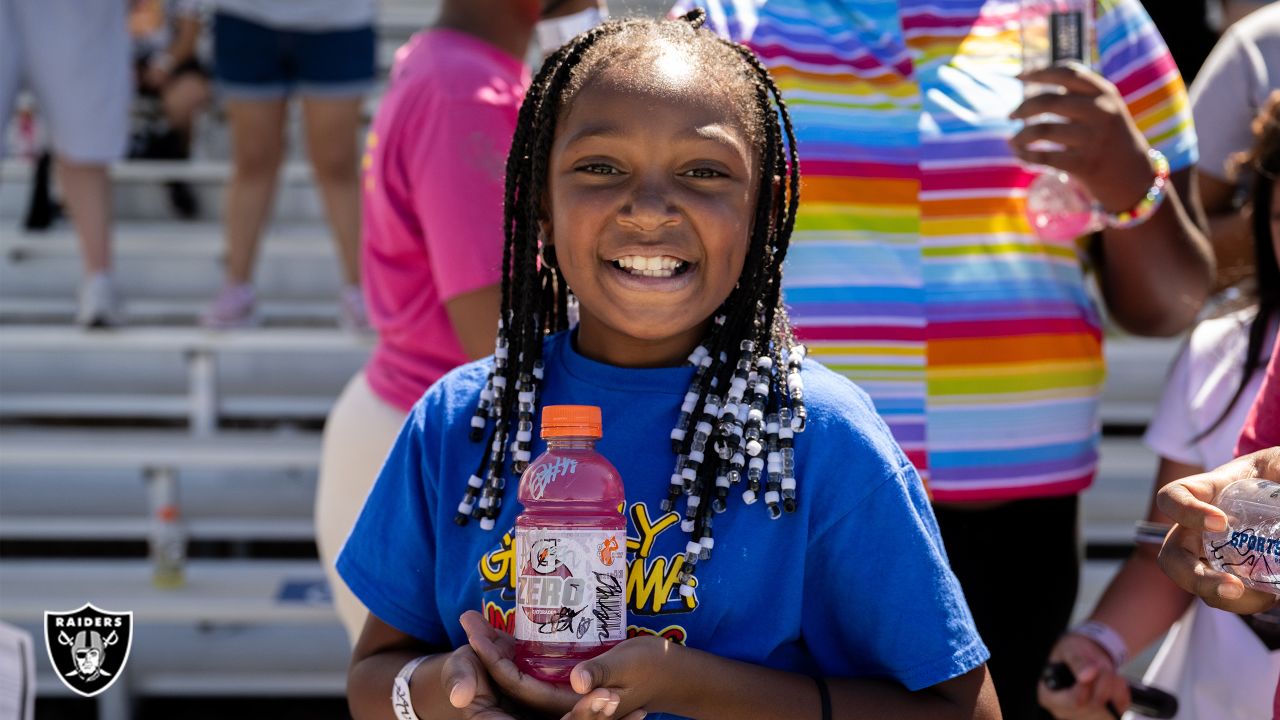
571 421
168 513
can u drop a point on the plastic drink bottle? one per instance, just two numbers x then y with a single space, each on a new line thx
1250 546
571 544
1054 31
168 541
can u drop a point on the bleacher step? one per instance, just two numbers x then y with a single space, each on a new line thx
168 239
130 449
216 591
147 312
170 339
78 528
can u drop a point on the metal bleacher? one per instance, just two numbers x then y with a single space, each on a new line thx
87 417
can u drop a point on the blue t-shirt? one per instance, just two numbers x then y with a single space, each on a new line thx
855 583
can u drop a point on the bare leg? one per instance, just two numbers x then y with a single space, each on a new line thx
331 128
87 191
257 140
186 95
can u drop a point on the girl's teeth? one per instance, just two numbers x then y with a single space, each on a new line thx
638 264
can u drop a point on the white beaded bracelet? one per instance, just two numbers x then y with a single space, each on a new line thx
1106 637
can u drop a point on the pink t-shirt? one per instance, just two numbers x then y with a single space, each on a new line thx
1261 431
433 190
1262 428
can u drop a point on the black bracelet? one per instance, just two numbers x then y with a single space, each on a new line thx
824 696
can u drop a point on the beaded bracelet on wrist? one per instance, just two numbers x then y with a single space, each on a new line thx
1151 201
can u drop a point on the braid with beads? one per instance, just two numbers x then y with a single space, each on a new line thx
746 401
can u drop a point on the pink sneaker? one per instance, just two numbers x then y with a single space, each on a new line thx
235 307
351 313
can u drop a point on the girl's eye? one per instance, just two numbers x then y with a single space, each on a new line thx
705 173
598 169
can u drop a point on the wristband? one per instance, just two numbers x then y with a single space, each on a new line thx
1150 533
401 702
1107 638
1151 201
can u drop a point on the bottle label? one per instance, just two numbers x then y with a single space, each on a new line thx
1066 36
1250 546
572 586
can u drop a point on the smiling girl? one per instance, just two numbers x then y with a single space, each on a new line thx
652 185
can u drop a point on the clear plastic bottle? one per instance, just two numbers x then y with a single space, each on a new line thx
168 541
1250 546
1054 31
571 546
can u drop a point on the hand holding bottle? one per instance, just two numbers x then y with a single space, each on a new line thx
1189 502
1100 144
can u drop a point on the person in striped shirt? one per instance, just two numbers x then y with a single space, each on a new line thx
915 272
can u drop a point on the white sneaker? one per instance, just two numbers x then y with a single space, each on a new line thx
234 307
99 303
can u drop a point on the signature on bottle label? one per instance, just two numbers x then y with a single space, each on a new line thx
571 587
548 472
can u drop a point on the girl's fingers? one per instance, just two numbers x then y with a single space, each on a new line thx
1072 107
474 625
1117 693
1180 558
1064 160
599 704
1072 76
460 676
1187 503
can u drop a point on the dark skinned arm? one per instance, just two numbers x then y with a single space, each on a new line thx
1155 277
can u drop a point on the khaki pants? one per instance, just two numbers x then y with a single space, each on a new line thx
357 437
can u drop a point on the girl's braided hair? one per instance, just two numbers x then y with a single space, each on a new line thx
746 401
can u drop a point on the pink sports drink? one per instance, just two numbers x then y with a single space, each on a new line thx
571 544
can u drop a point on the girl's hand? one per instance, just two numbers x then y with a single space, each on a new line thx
1101 145
496 651
467 683
601 704
634 674
1097 682
1189 503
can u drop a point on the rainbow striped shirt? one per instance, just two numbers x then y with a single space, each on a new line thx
913 270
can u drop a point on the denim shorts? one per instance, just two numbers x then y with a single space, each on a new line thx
255 61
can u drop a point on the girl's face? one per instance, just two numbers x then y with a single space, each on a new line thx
652 190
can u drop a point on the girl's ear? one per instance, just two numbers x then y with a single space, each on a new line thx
777 188
546 248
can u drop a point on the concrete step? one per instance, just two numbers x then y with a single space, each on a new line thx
206 494
162 372
138 450
49 490
139 312
158 261
235 628
1136 372
138 528
215 660
216 591
1120 494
